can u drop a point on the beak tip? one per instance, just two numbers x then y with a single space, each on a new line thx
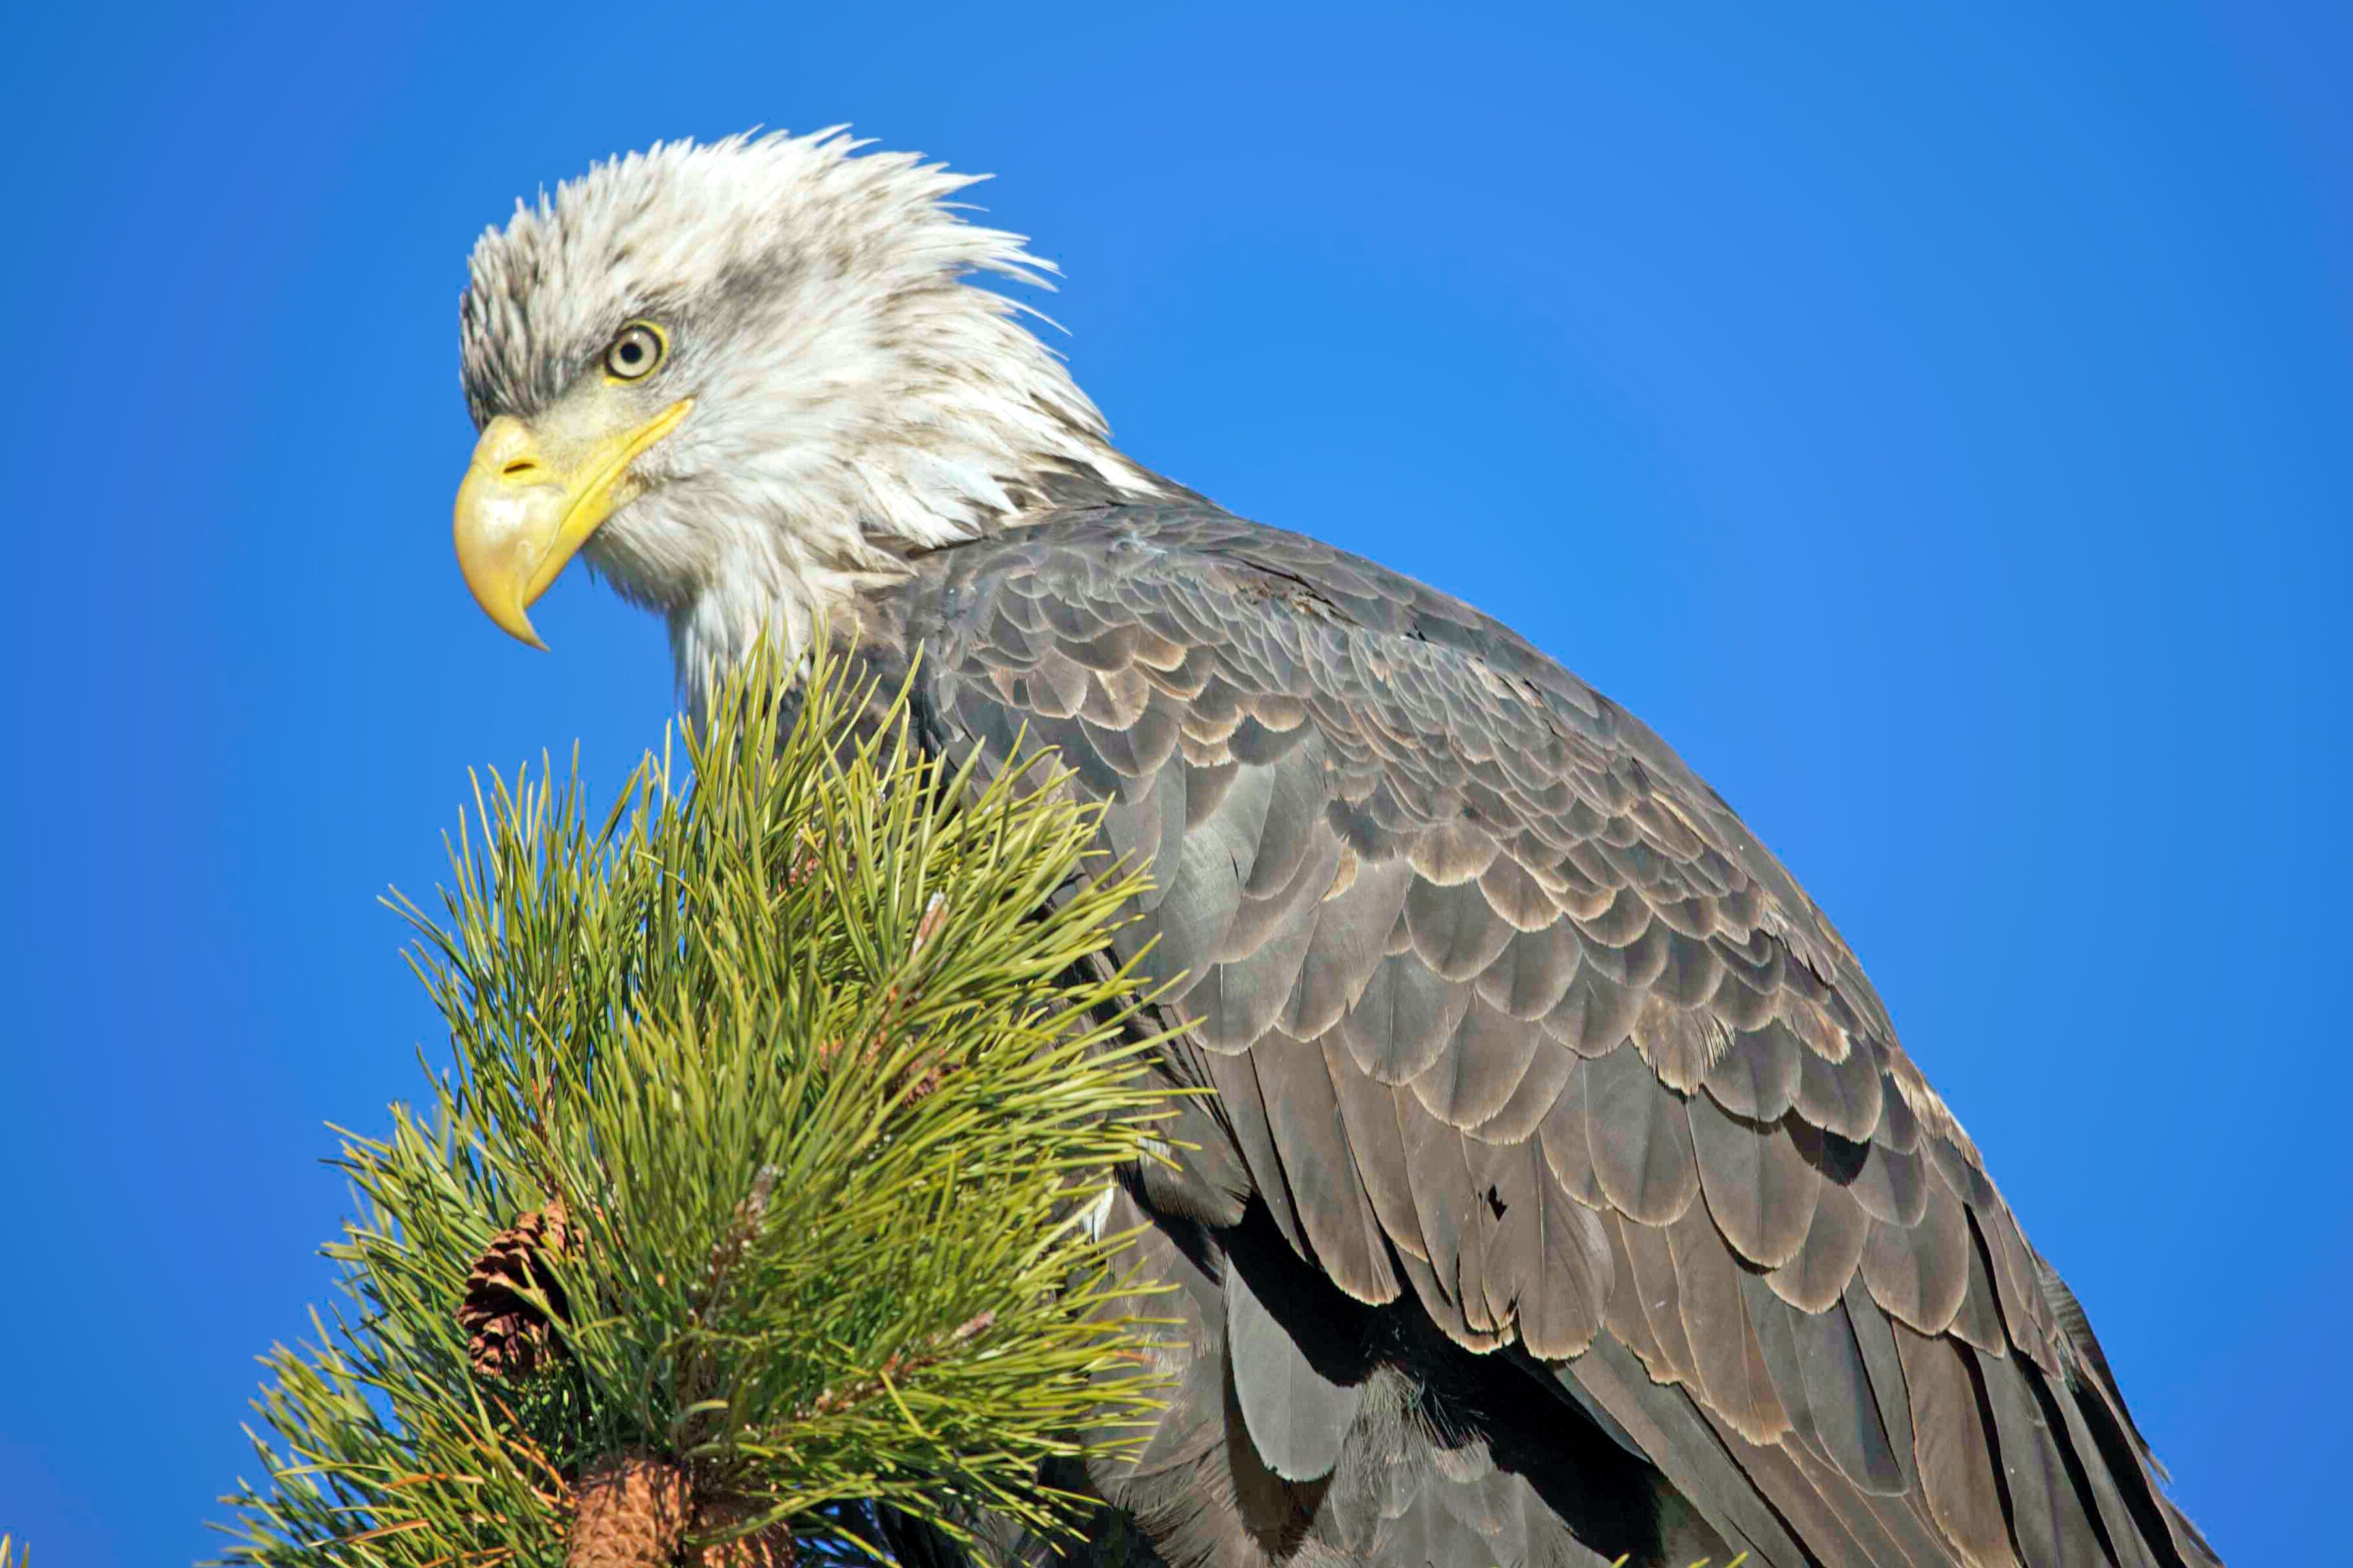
508 616
517 625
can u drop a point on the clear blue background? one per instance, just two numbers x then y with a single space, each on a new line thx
1937 426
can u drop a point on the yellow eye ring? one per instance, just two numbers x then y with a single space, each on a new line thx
636 351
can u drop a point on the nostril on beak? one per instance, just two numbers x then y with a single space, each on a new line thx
518 468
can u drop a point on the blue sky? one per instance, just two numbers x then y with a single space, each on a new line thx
1940 427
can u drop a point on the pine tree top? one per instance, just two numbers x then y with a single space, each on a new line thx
777 1104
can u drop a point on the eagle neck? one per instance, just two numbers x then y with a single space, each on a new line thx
833 546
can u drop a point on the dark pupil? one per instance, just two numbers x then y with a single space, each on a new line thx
632 351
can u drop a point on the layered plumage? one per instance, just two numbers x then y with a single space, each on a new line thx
1566 1194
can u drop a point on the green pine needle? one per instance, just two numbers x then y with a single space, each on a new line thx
820 1057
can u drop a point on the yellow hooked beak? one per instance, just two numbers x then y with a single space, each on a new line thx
523 510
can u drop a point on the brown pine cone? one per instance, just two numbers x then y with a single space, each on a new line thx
506 1334
769 1548
628 1511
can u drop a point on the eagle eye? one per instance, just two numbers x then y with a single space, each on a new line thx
635 351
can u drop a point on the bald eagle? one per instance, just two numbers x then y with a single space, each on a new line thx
1565 1195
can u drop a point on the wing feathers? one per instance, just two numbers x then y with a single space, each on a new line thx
1502 1005
1561 1134
1874 1337
1639 1138
1403 1020
1759 1188
1445 1208
1304 1114
1574 1277
1481 1065
1297 1419
1733 1376
1818 1367
1919 1273
1657 1295
1352 931
1953 1447
1542 1081
1679 1440
2048 1520
1829 1255
1760 1073
1235 1081
1840 1096
1369 1116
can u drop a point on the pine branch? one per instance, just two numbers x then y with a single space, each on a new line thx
753 1178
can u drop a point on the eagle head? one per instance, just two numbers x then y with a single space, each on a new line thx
744 379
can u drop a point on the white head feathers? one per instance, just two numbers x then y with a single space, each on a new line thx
858 396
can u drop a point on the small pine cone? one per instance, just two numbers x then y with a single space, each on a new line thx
506 1334
628 1511
925 1077
769 1548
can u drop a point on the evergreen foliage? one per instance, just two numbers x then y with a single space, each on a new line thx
815 1064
